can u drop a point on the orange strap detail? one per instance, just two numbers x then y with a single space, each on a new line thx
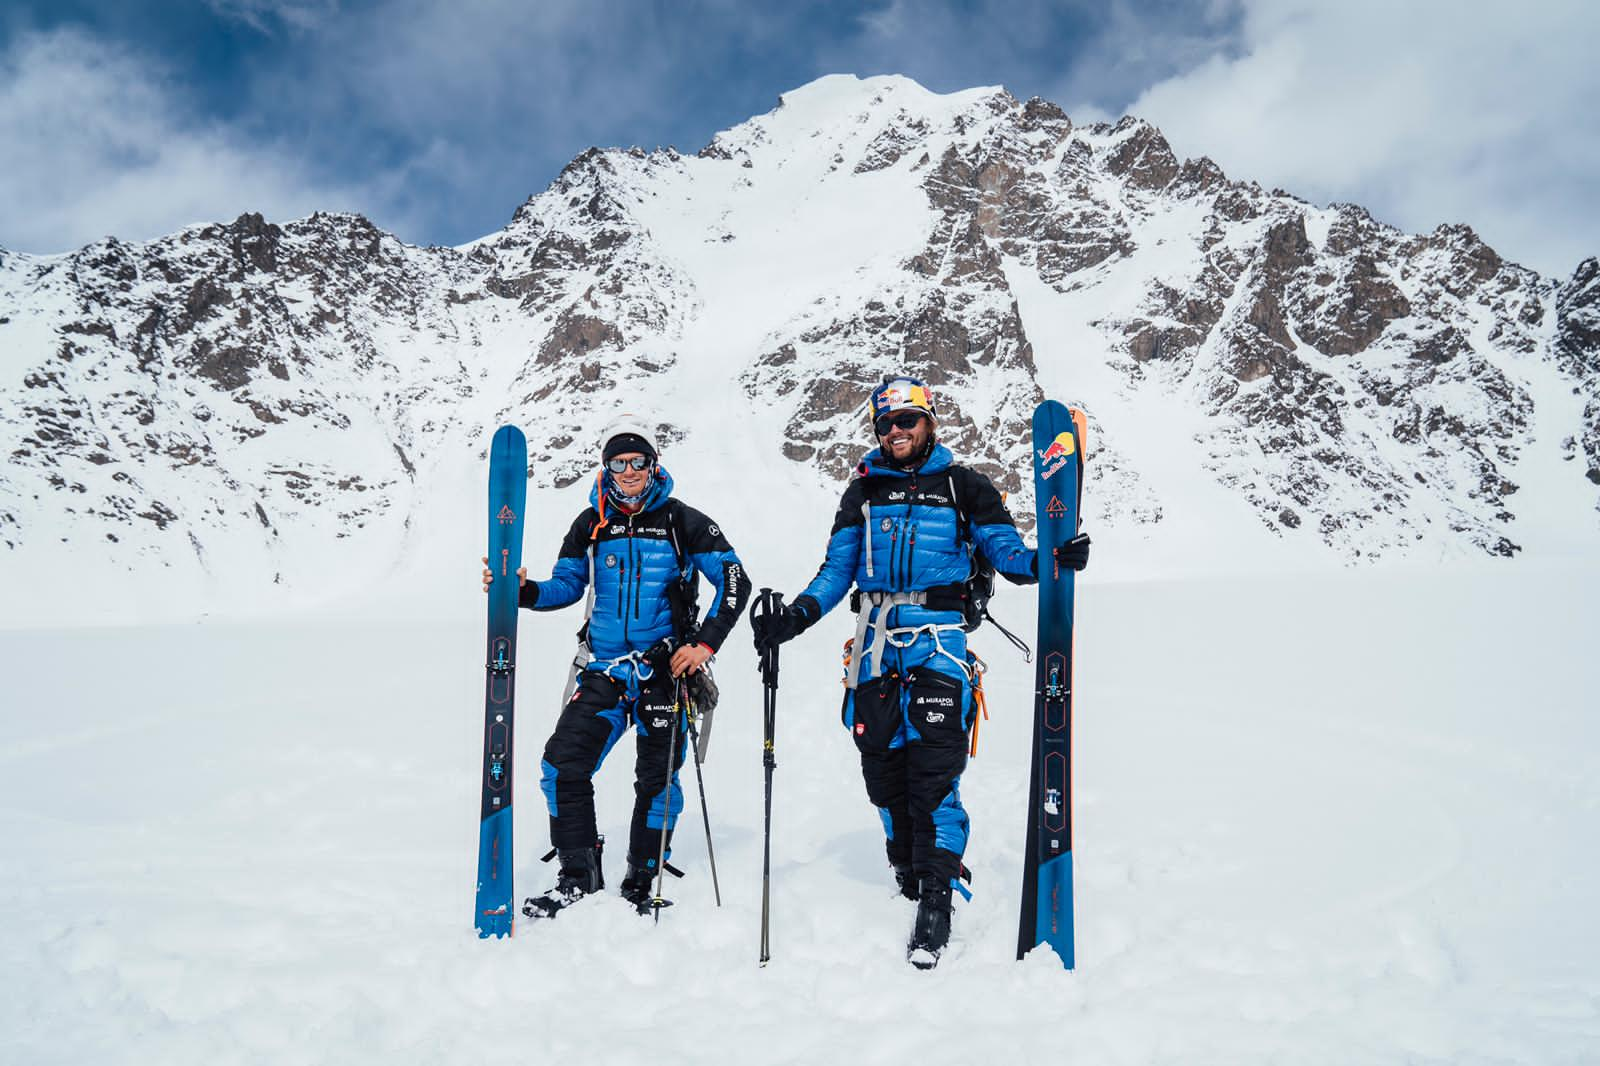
600 495
983 713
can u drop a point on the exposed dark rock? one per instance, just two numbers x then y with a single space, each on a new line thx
1197 177
892 142
576 335
254 243
1578 320
1144 158
228 368
1038 114
204 296
1345 314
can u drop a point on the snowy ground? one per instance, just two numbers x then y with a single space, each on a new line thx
1339 819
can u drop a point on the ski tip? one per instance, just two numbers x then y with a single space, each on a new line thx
508 443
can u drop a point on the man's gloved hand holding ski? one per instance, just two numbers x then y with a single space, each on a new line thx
1074 554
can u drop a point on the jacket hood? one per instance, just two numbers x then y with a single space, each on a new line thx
874 464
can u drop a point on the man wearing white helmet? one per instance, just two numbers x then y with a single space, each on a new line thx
911 531
638 553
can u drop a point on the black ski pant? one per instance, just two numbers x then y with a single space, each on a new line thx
911 731
589 726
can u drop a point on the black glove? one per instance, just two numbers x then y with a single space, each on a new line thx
1074 554
786 623
659 656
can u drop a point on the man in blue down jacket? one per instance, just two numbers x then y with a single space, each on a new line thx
905 535
637 552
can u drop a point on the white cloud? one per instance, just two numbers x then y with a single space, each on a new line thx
261 14
97 141
1424 112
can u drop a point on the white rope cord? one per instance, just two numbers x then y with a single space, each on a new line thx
903 637
642 670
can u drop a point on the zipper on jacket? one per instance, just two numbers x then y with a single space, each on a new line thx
625 589
866 532
894 553
622 583
911 555
910 529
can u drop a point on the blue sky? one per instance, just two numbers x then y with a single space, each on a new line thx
436 118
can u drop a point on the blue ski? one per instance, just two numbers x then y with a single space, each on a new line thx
508 491
1058 444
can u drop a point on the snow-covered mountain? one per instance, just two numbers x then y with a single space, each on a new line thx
242 410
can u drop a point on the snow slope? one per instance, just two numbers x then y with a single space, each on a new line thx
1320 820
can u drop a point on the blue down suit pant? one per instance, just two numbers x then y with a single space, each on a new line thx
591 723
910 725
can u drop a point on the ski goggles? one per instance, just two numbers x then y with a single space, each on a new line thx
899 420
619 464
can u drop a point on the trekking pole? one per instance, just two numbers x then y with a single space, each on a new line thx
767 604
666 815
700 782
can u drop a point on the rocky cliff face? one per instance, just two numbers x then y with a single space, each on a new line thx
1352 386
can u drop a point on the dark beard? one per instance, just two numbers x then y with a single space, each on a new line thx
912 461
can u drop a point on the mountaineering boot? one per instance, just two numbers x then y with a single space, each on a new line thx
931 931
580 875
910 887
638 888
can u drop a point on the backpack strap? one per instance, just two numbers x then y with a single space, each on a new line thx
675 534
963 527
688 582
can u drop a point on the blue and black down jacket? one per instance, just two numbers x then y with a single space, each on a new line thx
898 530
636 569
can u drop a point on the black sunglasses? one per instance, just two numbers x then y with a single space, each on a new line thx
619 464
901 420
